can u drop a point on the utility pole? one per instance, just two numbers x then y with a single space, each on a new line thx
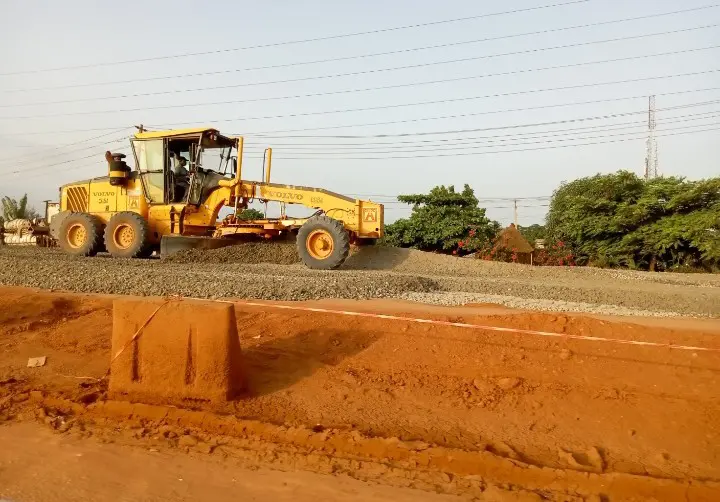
651 156
515 218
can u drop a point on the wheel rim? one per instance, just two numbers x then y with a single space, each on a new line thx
76 235
123 236
320 244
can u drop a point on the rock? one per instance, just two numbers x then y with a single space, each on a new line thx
494 493
565 354
89 397
187 440
65 426
168 431
19 398
204 448
508 383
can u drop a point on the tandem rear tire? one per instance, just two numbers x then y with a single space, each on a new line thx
80 234
127 235
323 243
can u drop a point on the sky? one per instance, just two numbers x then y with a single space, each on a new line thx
508 110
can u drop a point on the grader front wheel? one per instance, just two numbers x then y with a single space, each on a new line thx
323 243
80 234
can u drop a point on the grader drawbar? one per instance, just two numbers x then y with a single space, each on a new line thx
173 198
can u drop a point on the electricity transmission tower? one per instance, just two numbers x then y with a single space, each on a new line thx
651 156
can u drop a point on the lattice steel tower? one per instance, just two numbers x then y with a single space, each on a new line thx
651 156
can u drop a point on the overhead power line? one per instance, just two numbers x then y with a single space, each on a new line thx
407 144
478 147
479 129
68 161
305 40
376 54
462 154
62 147
485 112
686 118
349 136
483 206
73 168
509 137
30 161
441 101
356 73
457 154
350 110
70 131
459 143
486 199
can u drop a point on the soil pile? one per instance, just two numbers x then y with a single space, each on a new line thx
512 240
281 253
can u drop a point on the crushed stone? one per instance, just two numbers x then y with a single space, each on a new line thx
271 271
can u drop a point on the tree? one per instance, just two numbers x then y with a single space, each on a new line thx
13 209
621 220
533 232
250 214
442 220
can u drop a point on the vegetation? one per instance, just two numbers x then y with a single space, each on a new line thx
443 220
12 209
620 220
533 232
250 214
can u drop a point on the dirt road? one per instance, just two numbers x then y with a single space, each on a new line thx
76 469
521 410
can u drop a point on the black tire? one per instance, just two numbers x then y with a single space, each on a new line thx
81 234
127 235
323 227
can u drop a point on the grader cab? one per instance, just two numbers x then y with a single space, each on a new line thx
172 200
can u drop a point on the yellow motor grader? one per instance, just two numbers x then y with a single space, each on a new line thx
173 197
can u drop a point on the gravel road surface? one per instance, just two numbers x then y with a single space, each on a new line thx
272 271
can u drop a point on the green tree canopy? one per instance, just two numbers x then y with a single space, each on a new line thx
250 214
621 220
13 209
533 232
440 220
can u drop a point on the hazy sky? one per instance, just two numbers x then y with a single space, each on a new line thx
39 35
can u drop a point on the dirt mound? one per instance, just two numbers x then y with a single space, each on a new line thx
281 253
412 261
511 239
378 258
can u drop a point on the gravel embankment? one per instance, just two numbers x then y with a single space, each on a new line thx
252 271
460 298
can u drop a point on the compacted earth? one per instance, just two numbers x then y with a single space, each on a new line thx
348 407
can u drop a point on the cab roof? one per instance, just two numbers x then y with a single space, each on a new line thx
211 134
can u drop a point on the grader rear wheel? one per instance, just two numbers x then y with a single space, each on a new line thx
127 235
80 234
323 243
